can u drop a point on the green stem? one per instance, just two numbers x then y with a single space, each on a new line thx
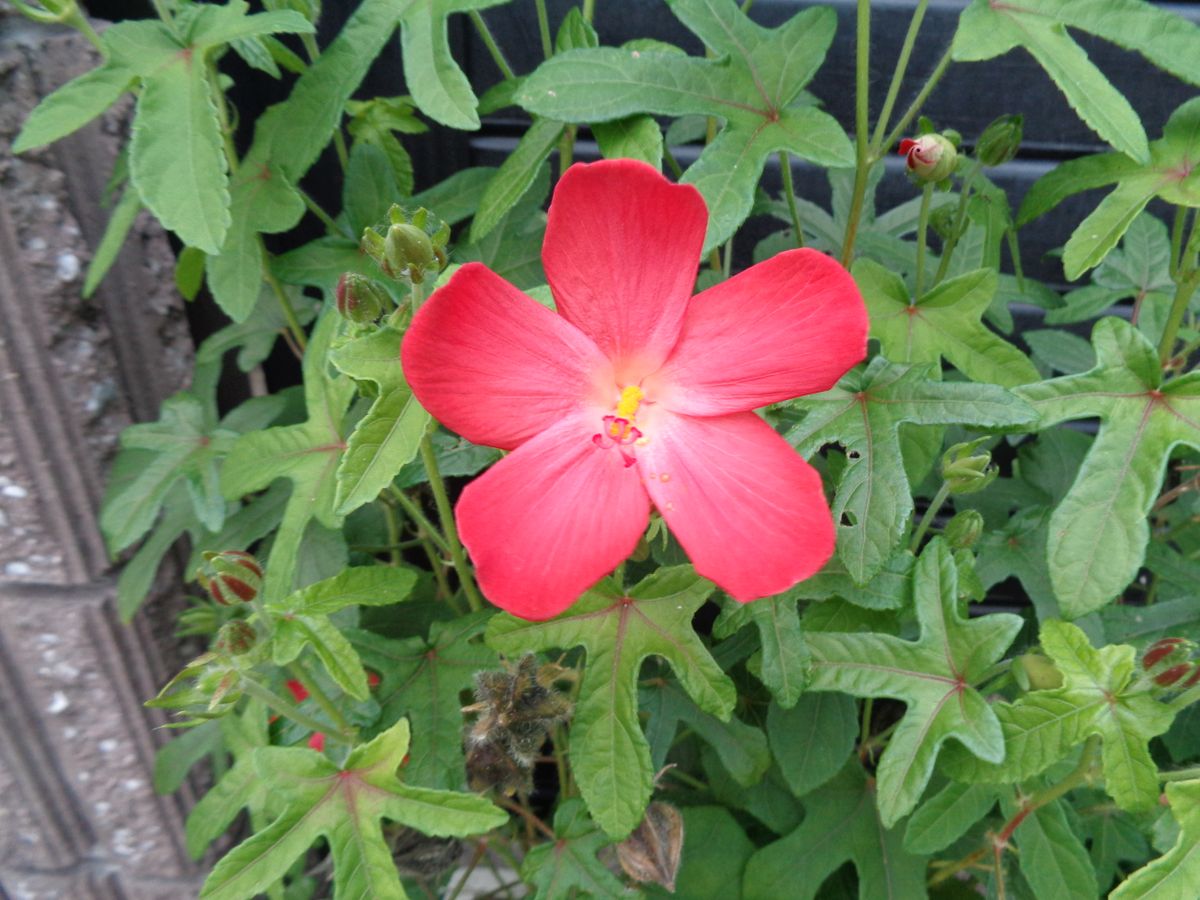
164 14
692 782
960 221
75 18
458 556
862 85
889 103
326 219
566 149
915 107
931 511
284 708
414 512
544 29
672 162
922 230
297 671
789 192
1177 227
868 709
1189 774
393 532
485 34
1184 290
589 10
285 303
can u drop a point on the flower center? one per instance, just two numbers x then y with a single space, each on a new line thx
619 429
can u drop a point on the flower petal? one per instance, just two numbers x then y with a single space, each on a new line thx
789 326
746 507
548 521
495 365
621 251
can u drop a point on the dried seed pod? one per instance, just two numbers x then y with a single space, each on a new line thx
652 852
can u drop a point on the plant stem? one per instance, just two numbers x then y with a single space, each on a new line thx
74 17
283 707
922 229
672 162
960 221
530 818
414 512
694 783
458 556
1183 295
1080 774
862 85
1178 224
589 10
931 511
544 29
393 531
789 192
865 733
289 311
1188 774
326 220
915 107
566 149
485 34
889 103
297 671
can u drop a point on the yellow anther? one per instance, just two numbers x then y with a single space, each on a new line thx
627 406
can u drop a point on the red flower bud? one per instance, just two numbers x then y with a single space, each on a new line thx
929 158
231 576
299 692
1159 651
1172 675
359 299
236 637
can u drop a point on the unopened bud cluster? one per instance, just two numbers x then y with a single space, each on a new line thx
1170 666
966 471
231 576
412 248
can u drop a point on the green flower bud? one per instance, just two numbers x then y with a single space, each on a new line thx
231 576
1035 672
930 158
409 249
964 529
360 299
1000 141
235 638
206 688
965 471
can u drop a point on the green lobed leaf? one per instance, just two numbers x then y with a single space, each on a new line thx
515 176
1100 695
288 138
307 454
439 87
176 156
945 322
946 816
423 679
390 433
110 245
751 86
634 137
291 633
72 106
1174 875
619 630
1098 533
362 585
863 413
813 739
569 864
841 825
986 30
1051 855
344 805
742 748
784 658
715 851
933 676
213 25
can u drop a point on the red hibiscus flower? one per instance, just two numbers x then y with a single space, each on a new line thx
633 394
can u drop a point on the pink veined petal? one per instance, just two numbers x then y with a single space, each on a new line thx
789 326
548 521
746 507
495 365
621 251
